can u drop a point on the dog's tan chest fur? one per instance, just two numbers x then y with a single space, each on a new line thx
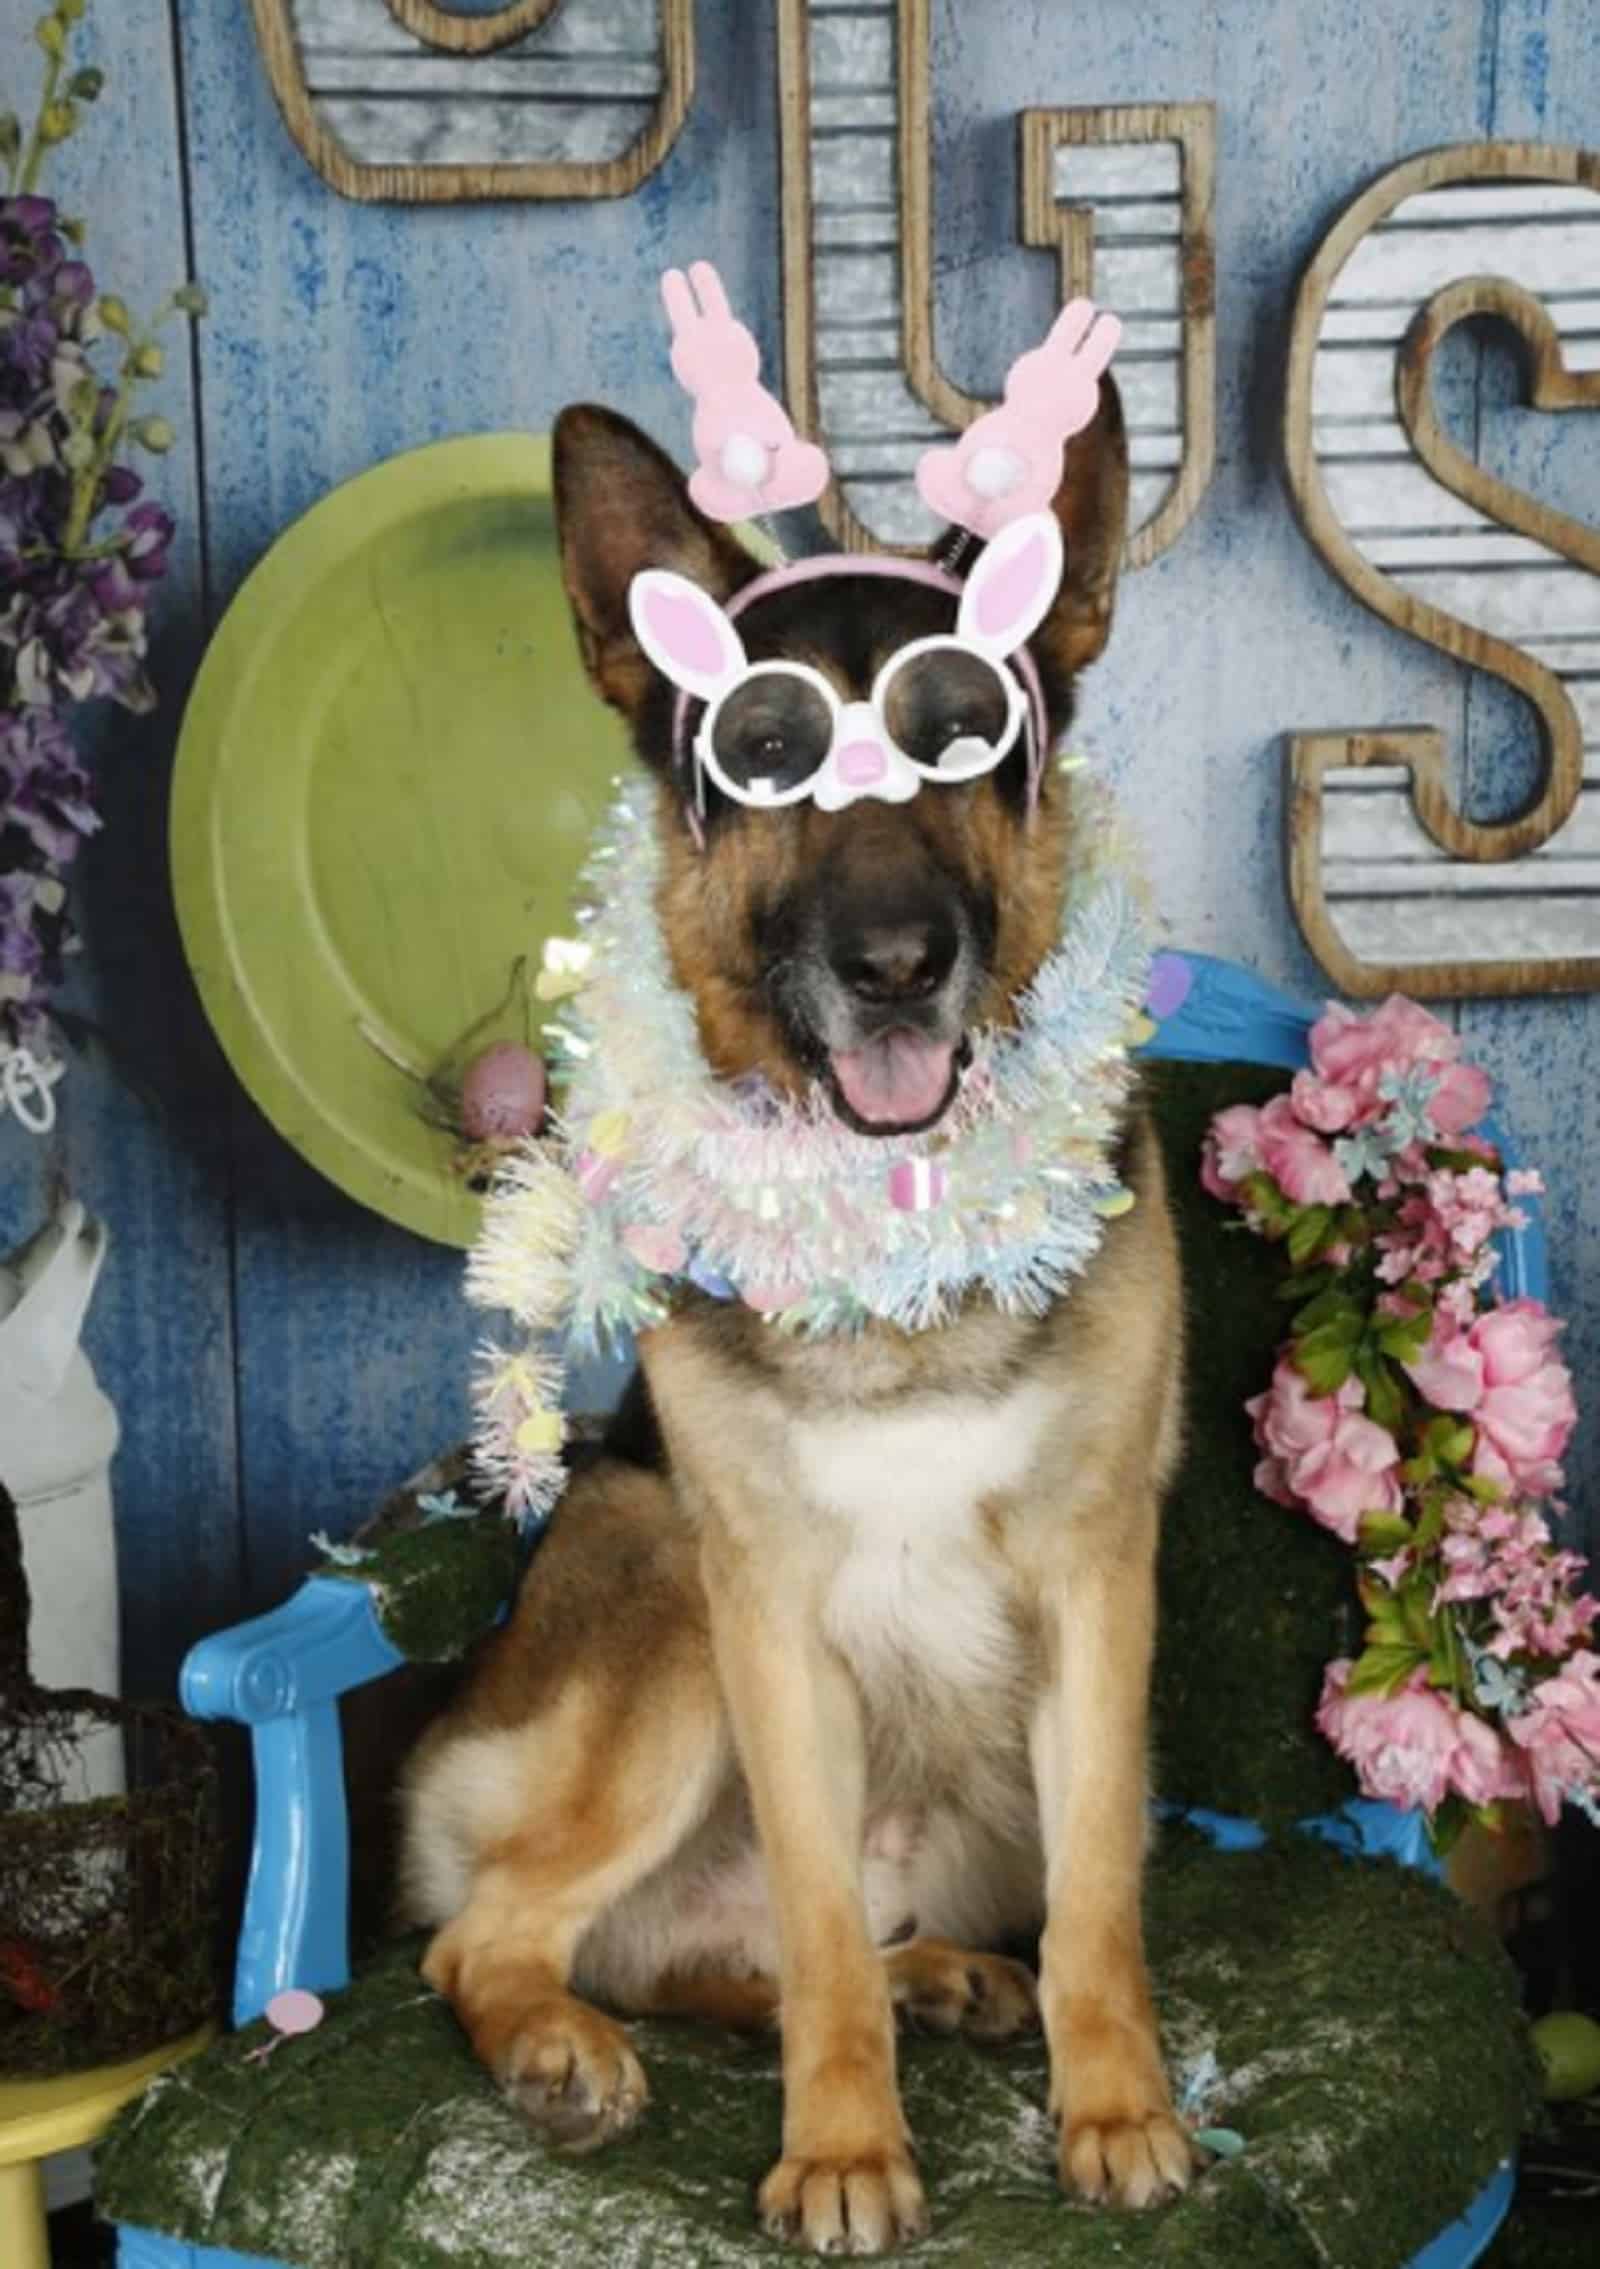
919 1587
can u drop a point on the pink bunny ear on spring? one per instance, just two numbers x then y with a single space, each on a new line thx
751 459
1008 462
1009 592
684 632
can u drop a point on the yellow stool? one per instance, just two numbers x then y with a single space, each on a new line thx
41 2117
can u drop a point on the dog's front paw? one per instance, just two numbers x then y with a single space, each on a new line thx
862 2205
575 2075
1136 2160
950 1991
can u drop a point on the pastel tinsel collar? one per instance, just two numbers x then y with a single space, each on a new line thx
659 1176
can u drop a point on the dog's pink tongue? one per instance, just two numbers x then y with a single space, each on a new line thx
896 1079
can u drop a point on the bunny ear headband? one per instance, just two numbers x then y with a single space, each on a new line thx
942 708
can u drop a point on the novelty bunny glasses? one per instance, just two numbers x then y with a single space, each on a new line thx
948 707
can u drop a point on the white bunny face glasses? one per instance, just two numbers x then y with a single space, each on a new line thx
946 708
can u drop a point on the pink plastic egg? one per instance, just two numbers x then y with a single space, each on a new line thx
502 1093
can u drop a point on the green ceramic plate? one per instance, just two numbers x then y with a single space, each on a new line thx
387 777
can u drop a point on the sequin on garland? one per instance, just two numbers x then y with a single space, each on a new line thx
659 1177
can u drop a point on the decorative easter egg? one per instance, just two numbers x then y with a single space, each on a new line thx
1221 2142
917 1185
1568 2044
595 1175
502 1093
662 1251
541 1431
771 1299
294 2011
608 1133
1171 980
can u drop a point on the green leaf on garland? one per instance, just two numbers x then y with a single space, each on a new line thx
1448 1439
1430 1522
1444 1829
1404 1337
1325 1355
1386 1402
1324 1370
1444 1656
1327 1307
1384 1532
1416 1605
1382 1668
1307 1231
1308 1285
1268 1200
1386 1626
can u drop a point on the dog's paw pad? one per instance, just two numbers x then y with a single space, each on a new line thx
955 1992
1126 2162
844 2206
574 2074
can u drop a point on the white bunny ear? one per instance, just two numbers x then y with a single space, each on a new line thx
1009 592
684 632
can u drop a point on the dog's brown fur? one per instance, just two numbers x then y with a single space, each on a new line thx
690 1680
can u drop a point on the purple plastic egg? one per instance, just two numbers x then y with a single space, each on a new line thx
502 1093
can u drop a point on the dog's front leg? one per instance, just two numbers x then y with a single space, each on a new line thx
1108 2091
845 2182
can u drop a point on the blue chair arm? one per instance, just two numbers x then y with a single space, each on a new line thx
282 1675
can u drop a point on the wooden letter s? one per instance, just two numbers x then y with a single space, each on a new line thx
1393 886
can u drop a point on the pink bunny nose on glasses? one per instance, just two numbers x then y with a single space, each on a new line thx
937 711
860 763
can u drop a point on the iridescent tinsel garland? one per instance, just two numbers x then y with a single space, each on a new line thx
659 1176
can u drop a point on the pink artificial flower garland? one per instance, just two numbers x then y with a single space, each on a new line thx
1422 1421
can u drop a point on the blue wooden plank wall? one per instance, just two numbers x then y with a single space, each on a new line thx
278 1356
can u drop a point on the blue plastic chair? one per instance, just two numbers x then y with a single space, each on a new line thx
282 1675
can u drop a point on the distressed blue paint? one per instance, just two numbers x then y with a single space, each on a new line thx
1546 1054
143 1149
342 333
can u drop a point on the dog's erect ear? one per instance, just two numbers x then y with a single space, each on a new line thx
623 506
1092 507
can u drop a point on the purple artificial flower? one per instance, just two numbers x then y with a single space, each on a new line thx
28 239
73 595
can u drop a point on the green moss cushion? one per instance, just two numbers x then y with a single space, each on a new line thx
1364 2036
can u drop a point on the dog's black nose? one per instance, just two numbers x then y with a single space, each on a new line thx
895 961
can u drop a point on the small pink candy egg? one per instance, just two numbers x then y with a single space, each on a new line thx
502 1093
917 1185
771 1299
595 1175
661 1250
294 2011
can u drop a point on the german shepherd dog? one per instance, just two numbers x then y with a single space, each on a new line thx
832 1672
